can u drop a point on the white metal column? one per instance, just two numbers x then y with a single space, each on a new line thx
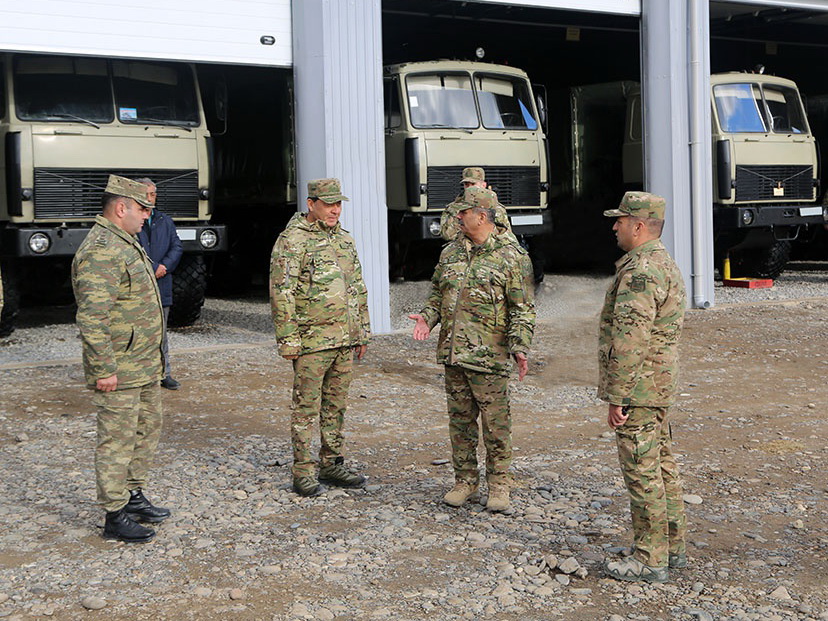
337 47
678 162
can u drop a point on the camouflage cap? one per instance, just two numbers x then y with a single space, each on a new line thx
640 205
121 186
473 175
476 197
326 190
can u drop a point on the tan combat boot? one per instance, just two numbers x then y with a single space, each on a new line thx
460 493
498 494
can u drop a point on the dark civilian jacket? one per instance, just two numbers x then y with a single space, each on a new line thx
160 240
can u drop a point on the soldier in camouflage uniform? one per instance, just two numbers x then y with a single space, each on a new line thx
473 177
483 297
638 355
120 321
320 313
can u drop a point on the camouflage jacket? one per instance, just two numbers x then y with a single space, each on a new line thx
450 224
317 296
119 308
483 297
640 328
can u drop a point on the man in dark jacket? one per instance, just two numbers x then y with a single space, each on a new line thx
160 240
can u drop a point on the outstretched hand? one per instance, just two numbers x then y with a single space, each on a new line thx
421 329
522 365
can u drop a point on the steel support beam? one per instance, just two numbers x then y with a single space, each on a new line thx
677 155
337 50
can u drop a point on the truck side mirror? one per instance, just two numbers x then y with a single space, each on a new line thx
220 103
540 102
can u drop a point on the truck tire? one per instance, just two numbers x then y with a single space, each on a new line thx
766 262
11 298
189 286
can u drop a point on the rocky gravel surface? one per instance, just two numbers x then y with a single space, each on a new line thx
241 545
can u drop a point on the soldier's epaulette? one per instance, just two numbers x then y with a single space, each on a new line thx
101 241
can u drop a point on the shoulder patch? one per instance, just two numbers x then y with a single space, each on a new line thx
638 283
101 240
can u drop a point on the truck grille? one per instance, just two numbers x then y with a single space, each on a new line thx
756 183
516 186
76 193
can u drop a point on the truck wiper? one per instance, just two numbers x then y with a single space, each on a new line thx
181 124
441 126
74 117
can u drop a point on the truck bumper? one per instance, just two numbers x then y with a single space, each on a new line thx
64 241
418 227
759 216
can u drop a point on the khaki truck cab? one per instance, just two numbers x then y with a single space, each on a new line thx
765 169
443 116
66 123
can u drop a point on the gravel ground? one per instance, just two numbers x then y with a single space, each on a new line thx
49 334
242 546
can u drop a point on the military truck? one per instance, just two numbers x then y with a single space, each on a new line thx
441 116
66 123
765 169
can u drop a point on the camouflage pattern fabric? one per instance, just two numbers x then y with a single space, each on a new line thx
119 308
483 297
450 225
640 205
121 186
326 190
317 295
129 426
652 479
320 390
469 394
640 327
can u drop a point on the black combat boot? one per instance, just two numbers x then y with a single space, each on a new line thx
120 526
139 508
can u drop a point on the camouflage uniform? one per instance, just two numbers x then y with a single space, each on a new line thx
319 304
483 298
121 323
450 226
638 357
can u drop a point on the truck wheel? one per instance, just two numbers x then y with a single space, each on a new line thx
189 286
11 298
767 262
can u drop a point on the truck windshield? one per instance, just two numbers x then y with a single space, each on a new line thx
740 108
441 100
785 110
53 88
155 93
505 102
754 109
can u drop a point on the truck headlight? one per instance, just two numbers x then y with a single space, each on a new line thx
39 243
208 238
747 217
434 228
203 194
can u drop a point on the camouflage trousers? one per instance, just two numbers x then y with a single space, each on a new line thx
652 478
320 391
129 426
469 394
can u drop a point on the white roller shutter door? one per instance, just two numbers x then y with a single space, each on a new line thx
813 5
617 7
191 30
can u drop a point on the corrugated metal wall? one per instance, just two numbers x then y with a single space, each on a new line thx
339 132
194 30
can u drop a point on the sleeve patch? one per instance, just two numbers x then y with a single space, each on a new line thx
638 283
